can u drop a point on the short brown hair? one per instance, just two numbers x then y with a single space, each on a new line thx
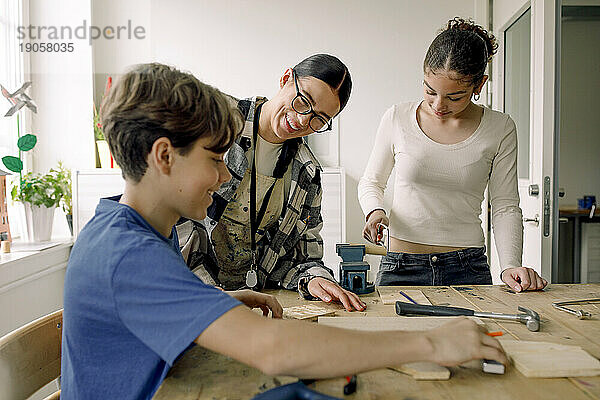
155 100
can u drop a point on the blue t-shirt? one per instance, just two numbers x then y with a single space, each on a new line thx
131 307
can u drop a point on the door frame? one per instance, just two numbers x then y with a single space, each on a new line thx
544 103
557 93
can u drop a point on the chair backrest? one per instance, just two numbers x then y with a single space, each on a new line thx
30 357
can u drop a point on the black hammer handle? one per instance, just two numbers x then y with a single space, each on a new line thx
436 311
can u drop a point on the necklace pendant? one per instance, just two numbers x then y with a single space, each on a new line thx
251 278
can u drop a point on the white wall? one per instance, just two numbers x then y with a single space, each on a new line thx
62 89
579 171
243 47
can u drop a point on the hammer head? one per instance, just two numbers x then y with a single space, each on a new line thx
531 319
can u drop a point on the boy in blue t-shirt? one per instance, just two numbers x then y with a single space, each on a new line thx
131 305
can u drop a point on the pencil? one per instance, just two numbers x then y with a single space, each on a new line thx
408 297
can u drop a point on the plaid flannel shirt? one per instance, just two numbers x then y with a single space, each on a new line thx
291 251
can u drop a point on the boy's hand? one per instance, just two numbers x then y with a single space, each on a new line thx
328 291
523 278
463 340
373 230
263 301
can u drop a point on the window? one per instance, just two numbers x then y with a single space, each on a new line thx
11 72
517 68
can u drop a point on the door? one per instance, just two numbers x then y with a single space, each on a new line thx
524 81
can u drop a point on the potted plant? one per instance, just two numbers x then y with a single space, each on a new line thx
40 194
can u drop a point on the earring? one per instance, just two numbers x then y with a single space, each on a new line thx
476 96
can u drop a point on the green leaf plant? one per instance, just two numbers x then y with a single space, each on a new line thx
24 143
48 190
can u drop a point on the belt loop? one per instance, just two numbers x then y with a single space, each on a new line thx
461 255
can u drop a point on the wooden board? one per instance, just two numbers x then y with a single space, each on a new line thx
424 371
550 360
306 311
391 294
389 323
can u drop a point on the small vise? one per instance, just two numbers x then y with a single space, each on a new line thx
353 268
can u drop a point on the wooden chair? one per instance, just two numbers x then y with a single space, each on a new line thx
30 357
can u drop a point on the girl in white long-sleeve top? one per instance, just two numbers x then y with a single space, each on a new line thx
446 150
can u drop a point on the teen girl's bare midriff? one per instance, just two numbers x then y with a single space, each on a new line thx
403 246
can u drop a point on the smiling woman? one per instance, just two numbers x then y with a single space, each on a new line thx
265 223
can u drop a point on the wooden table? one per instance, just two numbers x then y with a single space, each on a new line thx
202 374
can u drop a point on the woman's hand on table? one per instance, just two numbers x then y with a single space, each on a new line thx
463 340
263 301
329 291
523 278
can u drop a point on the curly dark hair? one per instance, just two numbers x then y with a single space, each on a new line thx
155 100
462 47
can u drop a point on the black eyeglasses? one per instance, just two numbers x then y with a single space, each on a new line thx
301 105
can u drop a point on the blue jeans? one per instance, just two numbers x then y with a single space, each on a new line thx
462 267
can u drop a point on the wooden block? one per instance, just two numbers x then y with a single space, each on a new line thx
306 311
556 364
391 294
550 360
424 371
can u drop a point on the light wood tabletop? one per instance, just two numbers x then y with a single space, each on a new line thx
202 374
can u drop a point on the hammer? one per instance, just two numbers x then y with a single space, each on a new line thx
529 317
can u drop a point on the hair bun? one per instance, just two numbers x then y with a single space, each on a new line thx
460 24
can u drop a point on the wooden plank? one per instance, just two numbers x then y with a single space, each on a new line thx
397 323
392 294
550 360
288 298
556 364
424 371
306 312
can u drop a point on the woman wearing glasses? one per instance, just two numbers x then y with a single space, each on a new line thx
446 150
264 224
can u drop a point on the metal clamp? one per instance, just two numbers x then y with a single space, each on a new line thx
581 314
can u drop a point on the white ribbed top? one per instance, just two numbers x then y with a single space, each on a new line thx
439 188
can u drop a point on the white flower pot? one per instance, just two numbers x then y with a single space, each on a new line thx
38 222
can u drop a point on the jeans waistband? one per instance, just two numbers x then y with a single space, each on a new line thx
446 256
